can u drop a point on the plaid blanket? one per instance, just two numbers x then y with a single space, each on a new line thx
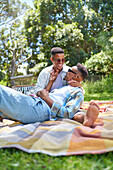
61 137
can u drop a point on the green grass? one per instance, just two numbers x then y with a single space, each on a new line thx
98 96
105 85
13 159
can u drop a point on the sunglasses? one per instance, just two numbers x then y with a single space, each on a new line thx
71 71
60 60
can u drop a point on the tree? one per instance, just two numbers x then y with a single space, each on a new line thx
10 10
68 37
44 28
13 49
102 62
92 18
13 43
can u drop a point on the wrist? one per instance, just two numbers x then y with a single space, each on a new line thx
51 81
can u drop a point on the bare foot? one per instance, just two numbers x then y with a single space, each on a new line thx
92 114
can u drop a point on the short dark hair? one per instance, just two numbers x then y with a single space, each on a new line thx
82 70
56 50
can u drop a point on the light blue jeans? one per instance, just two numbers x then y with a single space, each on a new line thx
18 106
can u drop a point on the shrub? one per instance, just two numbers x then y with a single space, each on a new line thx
99 86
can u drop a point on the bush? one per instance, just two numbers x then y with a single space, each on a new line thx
2 82
99 86
100 63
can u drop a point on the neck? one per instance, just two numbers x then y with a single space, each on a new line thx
59 70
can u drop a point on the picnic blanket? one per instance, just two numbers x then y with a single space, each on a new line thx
61 137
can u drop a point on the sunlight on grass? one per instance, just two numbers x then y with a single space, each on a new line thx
98 96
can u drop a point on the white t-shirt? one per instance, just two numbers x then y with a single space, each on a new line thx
58 95
58 82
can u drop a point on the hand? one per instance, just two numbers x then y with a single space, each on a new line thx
43 93
74 83
53 75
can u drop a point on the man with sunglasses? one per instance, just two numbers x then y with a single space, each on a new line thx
52 77
59 103
69 107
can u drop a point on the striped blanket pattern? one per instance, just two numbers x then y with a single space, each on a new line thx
61 137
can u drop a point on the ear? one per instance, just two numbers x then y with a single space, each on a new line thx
81 79
51 59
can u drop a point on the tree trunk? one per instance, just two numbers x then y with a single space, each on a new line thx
13 67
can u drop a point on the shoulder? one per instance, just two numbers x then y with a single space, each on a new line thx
47 70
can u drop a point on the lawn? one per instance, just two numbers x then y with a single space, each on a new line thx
98 96
14 159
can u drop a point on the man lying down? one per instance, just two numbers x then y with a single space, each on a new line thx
60 103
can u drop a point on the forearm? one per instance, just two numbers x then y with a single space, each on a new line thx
64 111
48 100
52 78
47 88
49 85
69 109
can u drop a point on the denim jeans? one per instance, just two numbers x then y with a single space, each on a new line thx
23 108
